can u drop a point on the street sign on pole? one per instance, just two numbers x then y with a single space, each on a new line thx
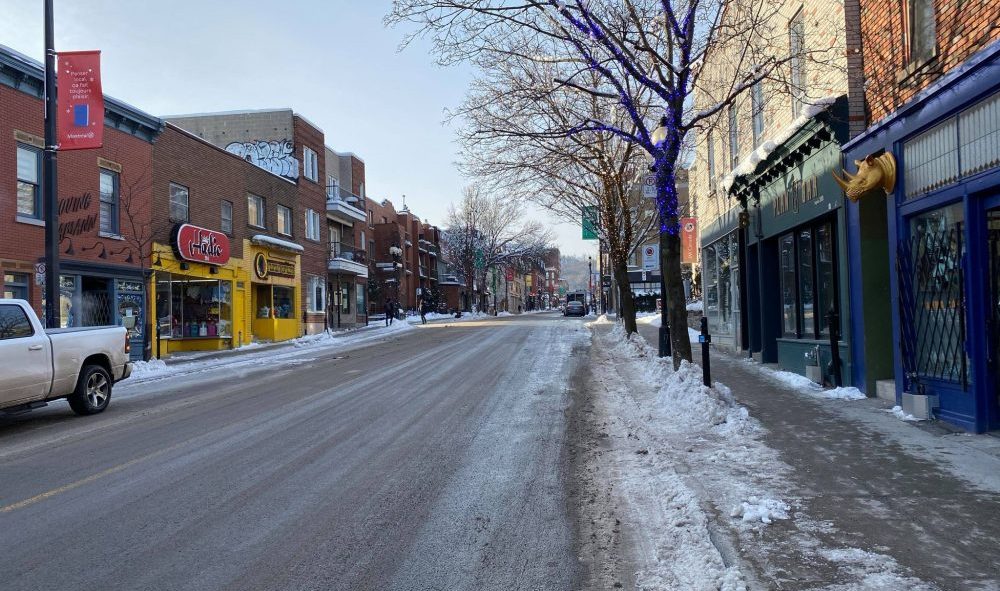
649 186
590 221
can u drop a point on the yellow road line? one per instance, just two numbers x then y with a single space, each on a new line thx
92 478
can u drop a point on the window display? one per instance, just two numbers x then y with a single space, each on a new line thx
194 308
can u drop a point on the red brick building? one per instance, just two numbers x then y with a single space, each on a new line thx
253 291
405 258
104 213
287 144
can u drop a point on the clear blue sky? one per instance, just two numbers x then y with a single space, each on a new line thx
330 60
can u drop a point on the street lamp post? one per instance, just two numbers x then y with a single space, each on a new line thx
590 280
50 202
658 137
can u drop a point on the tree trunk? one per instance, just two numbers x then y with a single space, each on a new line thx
627 303
670 261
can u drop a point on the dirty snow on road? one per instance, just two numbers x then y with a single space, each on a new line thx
703 502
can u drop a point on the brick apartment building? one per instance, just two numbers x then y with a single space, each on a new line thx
227 248
284 143
405 255
553 271
347 217
925 105
104 198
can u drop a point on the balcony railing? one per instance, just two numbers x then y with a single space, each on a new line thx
348 252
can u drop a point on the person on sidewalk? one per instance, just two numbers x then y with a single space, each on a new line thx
390 310
423 311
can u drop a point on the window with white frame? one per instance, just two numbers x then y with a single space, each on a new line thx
179 199
797 62
255 211
226 223
284 220
29 174
711 161
332 188
109 201
311 164
312 225
757 109
316 294
734 137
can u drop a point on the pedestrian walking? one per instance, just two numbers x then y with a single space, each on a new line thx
390 310
423 311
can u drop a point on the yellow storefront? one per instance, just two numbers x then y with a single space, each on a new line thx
273 266
201 294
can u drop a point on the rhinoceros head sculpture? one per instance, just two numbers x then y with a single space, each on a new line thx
873 172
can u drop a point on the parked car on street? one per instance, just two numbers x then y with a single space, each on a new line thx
575 308
38 364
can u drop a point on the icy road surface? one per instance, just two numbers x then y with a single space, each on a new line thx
433 458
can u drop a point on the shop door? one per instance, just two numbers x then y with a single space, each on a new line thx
993 310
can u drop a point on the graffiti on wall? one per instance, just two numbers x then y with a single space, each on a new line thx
276 156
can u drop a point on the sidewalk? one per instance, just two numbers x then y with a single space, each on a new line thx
918 492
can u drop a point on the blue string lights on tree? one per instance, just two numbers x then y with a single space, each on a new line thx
663 142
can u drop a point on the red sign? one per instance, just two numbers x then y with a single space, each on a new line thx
80 101
510 274
689 240
201 245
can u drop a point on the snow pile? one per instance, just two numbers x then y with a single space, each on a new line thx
154 366
504 314
804 385
749 163
762 510
696 306
843 393
901 414
277 354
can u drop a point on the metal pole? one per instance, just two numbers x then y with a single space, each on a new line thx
50 201
706 362
833 322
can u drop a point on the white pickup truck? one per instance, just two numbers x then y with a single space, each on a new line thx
38 365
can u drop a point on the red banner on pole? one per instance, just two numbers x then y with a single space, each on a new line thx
80 122
689 240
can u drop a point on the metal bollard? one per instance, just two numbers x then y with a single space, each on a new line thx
832 321
706 364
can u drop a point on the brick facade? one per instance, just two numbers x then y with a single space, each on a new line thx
93 260
889 78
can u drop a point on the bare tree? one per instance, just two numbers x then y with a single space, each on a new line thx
631 46
487 231
517 138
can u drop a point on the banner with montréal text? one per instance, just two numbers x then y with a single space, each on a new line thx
689 240
80 120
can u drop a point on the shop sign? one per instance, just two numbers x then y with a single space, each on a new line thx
689 240
129 285
80 118
201 245
265 267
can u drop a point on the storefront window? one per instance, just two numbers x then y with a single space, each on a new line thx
361 297
825 276
725 320
789 310
190 308
935 333
711 285
284 302
807 305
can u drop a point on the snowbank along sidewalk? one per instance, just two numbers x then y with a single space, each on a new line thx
704 503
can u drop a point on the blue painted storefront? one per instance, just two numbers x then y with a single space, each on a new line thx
941 226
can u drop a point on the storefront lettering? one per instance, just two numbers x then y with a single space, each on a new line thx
83 225
202 245
796 193
265 267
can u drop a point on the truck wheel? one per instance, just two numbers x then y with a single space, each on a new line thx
93 391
